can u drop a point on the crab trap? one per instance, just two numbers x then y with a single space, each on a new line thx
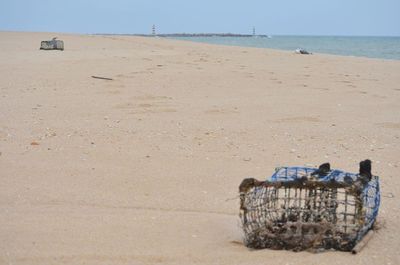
303 208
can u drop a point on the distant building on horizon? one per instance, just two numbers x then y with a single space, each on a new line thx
153 30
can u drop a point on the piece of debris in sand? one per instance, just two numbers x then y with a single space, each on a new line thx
103 78
302 51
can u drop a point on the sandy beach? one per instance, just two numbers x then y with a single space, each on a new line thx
145 168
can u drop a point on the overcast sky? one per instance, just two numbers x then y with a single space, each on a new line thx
293 17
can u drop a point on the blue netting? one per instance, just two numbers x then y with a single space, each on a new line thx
292 173
371 201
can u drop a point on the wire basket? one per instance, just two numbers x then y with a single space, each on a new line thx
298 211
53 44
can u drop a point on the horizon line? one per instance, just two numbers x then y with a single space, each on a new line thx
199 33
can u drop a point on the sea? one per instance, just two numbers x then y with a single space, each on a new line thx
371 47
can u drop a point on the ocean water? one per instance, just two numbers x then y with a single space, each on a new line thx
372 47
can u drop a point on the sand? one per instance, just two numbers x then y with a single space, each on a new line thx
144 169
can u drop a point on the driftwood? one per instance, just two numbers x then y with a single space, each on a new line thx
100 77
363 242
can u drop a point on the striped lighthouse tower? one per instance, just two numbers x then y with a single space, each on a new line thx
153 30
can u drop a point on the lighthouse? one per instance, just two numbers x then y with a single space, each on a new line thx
153 30
254 31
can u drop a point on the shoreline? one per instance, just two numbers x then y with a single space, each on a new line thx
290 49
189 36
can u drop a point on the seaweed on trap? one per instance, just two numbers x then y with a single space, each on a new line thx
303 208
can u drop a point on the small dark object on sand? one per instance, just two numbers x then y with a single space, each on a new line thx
302 51
103 78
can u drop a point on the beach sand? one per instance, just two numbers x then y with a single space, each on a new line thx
144 169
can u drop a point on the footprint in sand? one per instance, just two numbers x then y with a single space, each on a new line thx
321 88
379 96
299 119
145 105
389 125
148 104
222 111
249 75
114 92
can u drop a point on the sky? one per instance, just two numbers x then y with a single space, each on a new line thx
279 17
